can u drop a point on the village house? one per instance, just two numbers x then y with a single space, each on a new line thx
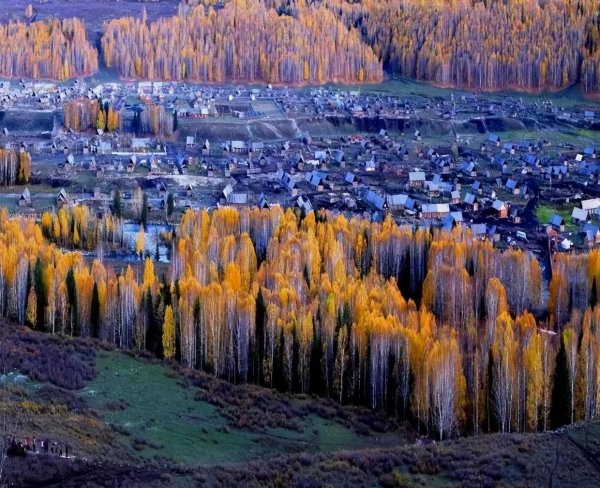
494 140
591 234
62 199
500 209
515 215
579 215
434 210
304 204
454 197
479 231
512 186
238 147
25 198
557 223
351 179
592 206
397 202
375 200
471 203
416 179
237 199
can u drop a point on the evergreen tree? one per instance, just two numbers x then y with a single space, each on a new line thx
260 316
295 386
175 121
158 322
153 330
196 316
279 380
137 122
41 294
95 312
561 393
170 204
316 376
165 290
72 301
117 205
306 275
594 294
144 210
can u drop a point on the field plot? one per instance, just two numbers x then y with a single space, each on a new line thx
151 408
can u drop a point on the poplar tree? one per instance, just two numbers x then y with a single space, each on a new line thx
168 337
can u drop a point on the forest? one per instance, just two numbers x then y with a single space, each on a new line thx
482 44
243 41
49 49
478 44
440 329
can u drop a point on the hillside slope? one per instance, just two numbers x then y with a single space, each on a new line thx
133 422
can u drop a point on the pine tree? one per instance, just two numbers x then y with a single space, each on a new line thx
175 121
41 294
72 302
170 204
144 210
561 392
95 312
153 330
117 205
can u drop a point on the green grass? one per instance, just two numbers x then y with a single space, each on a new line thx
149 402
544 211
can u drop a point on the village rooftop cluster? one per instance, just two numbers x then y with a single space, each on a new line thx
497 164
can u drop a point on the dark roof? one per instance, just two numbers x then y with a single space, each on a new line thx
470 199
374 199
478 229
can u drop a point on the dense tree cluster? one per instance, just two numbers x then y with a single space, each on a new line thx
83 113
438 328
590 69
76 227
107 119
480 43
154 119
243 41
15 166
49 49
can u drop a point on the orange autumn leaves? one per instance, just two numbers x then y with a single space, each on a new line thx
243 41
441 327
49 49
551 44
